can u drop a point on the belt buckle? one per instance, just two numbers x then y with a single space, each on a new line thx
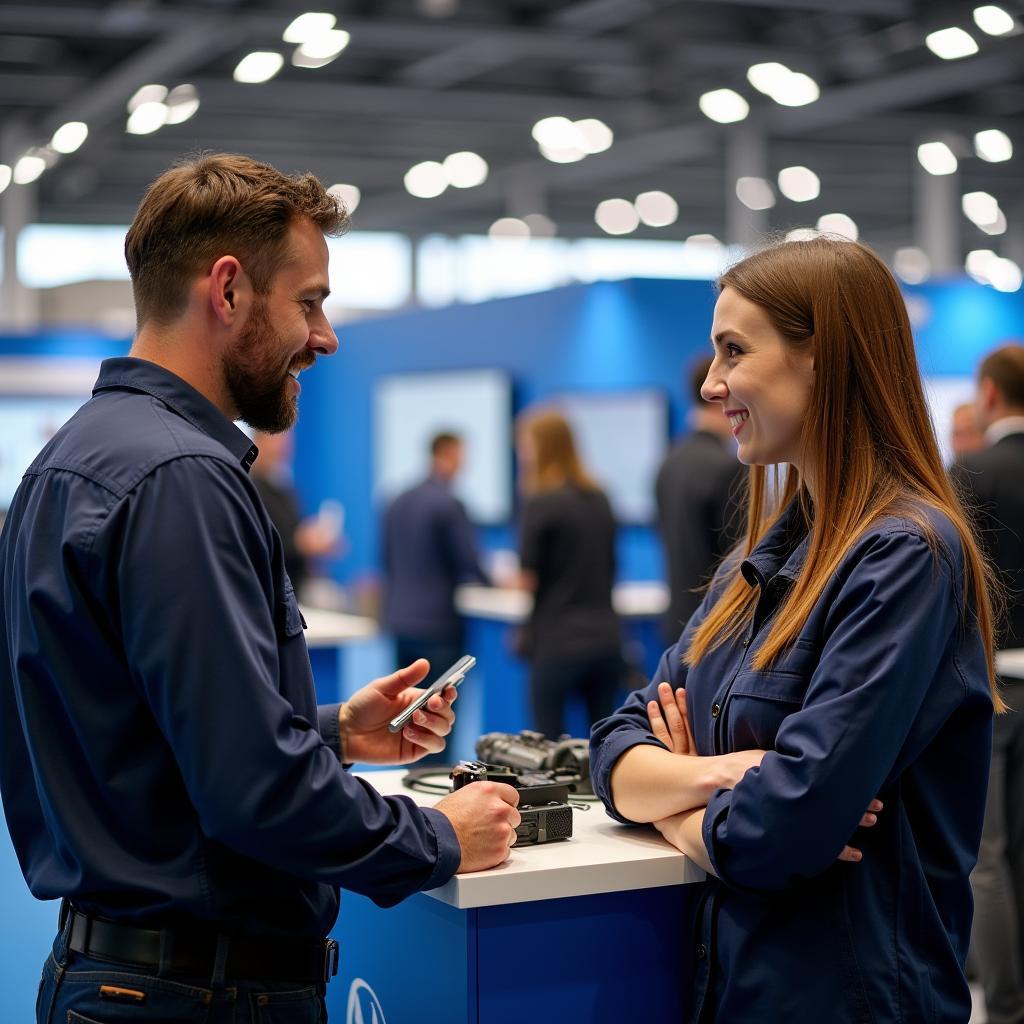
330 960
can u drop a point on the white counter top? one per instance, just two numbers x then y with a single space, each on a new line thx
506 604
1011 663
328 629
602 856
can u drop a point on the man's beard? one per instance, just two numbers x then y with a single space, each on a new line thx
255 378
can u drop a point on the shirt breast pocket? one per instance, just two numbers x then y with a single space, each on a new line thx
759 701
287 615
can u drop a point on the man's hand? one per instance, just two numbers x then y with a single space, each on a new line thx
364 718
485 819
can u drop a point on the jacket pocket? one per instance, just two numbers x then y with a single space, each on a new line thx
758 704
287 616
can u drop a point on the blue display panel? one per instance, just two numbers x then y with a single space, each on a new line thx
621 438
410 409
26 424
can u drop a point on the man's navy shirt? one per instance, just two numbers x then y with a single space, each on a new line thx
162 756
428 550
884 693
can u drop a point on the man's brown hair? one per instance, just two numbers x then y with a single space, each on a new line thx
443 440
1005 368
699 370
214 205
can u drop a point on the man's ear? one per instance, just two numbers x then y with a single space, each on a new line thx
988 394
230 292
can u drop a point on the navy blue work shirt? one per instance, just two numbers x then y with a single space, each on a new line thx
428 549
885 693
162 756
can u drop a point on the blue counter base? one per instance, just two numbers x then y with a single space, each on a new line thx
603 959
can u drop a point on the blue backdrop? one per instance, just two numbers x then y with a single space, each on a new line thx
608 336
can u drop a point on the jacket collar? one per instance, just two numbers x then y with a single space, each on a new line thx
128 373
782 550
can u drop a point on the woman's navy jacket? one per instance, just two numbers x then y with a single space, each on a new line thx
885 693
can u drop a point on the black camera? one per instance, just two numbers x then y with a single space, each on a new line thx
543 801
565 759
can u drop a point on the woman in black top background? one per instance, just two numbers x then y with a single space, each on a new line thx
567 557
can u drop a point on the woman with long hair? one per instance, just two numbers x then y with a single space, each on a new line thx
567 558
818 739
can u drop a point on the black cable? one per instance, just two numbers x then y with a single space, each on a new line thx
417 779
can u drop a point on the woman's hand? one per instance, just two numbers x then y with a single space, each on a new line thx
869 818
670 721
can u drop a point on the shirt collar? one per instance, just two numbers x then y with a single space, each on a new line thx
129 373
781 551
1003 428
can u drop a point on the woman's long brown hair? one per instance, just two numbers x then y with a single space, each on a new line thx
556 460
868 441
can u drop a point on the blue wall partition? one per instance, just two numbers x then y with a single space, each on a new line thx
607 336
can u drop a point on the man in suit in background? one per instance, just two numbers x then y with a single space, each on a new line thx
992 485
428 550
967 435
699 495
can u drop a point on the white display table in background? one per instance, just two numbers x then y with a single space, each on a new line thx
1011 663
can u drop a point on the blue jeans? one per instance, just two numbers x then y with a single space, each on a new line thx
77 989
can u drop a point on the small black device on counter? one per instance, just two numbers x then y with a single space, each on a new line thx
565 759
543 803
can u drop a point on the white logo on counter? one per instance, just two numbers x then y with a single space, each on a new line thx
363 1005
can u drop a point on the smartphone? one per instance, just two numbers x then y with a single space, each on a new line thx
453 677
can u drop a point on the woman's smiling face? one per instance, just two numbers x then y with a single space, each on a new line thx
762 382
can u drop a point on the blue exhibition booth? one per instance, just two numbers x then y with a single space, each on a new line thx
607 337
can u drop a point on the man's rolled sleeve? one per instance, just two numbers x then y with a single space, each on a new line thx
330 727
449 850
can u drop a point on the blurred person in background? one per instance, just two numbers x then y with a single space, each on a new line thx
567 560
164 765
967 435
991 482
303 539
699 494
818 740
428 550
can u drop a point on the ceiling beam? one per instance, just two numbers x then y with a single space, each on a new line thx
242 25
894 9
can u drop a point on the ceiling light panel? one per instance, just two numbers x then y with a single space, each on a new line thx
426 180
936 158
839 224
656 209
993 21
799 184
724 106
755 193
951 43
259 66
616 216
68 137
993 145
308 26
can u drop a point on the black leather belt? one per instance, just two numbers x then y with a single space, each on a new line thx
195 953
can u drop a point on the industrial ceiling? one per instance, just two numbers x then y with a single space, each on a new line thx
421 79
